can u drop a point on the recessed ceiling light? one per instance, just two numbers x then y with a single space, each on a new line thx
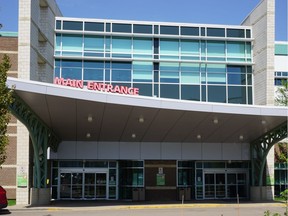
198 136
141 119
215 121
90 118
88 135
241 137
133 135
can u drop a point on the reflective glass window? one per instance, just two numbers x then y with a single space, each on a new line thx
248 50
216 78
142 47
121 75
72 42
215 49
203 33
156 29
236 69
58 42
216 32
240 33
119 27
108 27
190 48
94 26
190 78
93 74
169 76
93 43
192 31
237 94
72 25
71 63
57 72
215 68
121 65
169 49
217 94
248 33
58 24
143 29
142 71
190 92
237 79
169 30
93 64
169 91
236 50
169 66
144 89
122 45
72 73
195 67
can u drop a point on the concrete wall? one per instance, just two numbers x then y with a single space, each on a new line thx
152 151
35 62
262 20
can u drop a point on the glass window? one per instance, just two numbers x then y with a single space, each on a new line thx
124 28
71 63
190 67
248 49
72 25
142 71
94 26
237 94
58 42
190 48
156 29
190 78
122 46
193 31
121 65
240 33
215 68
237 79
93 74
121 75
169 30
215 49
168 66
190 92
248 33
216 32
169 91
217 94
58 24
169 76
94 43
216 78
93 64
142 48
72 43
144 89
203 33
72 73
143 29
169 49
235 50
108 27
236 69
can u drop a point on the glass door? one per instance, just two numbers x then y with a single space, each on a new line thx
89 188
77 185
101 185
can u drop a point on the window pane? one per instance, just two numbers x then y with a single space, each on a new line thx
169 48
58 24
58 42
236 49
169 76
169 30
216 32
214 68
93 64
93 74
190 47
190 67
121 45
190 78
143 29
217 94
215 48
144 89
142 46
94 43
125 28
121 65
72 73
167 66
236 33
169 91
72 42
190 92
216 78
72 25
121 75
237 94
236 69
248 33
94 26
193 31
237 79
142 71
71 63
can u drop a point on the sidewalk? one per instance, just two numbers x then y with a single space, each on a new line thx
114 205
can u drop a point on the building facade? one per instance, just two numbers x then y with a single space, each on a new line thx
145 110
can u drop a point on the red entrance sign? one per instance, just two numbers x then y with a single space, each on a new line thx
97 86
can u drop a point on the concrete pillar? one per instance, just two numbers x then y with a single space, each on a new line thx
261 193
40 196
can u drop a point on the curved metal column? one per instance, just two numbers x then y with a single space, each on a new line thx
41 135
260 148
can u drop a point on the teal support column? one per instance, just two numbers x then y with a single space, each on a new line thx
259 150
41 136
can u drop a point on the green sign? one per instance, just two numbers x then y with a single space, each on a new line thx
22 181
160 179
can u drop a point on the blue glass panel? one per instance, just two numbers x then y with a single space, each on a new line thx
72 42
248 50
94 26
142 76
193 31
121 45
190 67
144 89
58 24
93 64
120 27
58 42
215 48
237 79
248 33
169 47
169 30
93 74
240 33
169 91
57 62
72 73
121 65
57 72
236 49
143 46
250 95
237 94
71 63
169 77
190 47
167 66
216 78
72 25
190 92
121 75
203 93
216 32
190 78
236 69
141 65
215 68
143 29
217 94
107 75
249 79
94 43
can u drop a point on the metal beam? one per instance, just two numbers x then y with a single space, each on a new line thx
41 136
260 148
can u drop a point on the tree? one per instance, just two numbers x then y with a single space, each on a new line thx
6 98
282 94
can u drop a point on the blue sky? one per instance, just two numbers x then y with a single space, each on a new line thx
191 11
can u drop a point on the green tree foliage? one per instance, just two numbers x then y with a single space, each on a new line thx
6 99
282 94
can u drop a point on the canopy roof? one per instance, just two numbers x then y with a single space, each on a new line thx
127 118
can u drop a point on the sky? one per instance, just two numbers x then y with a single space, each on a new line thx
230 12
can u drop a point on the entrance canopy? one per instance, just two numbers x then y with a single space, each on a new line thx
85 115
